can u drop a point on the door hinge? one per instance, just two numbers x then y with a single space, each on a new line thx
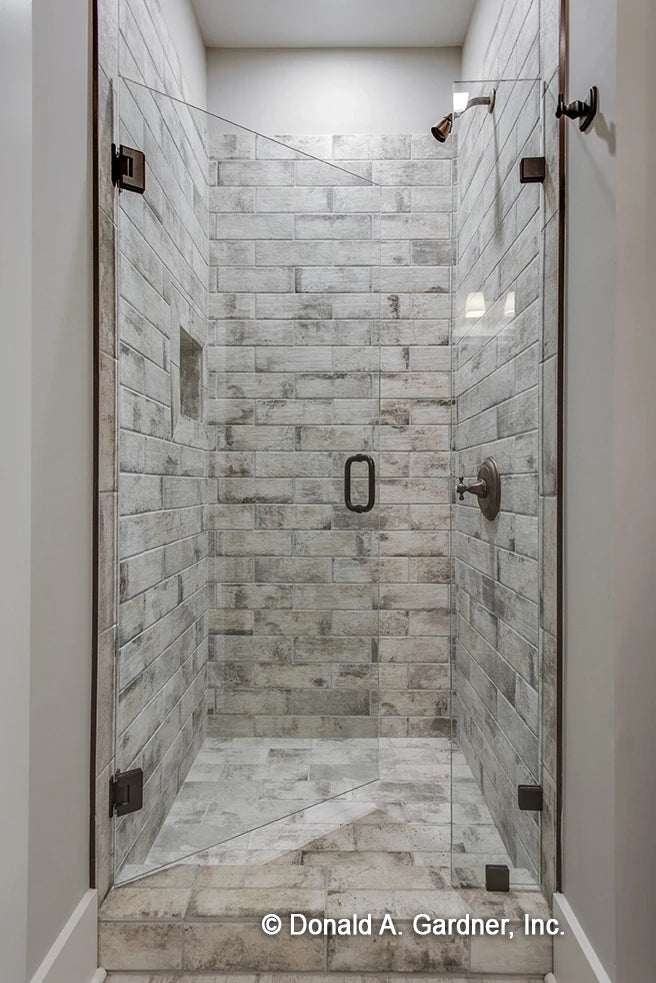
497 878
532 170
126 792
129 168
529 798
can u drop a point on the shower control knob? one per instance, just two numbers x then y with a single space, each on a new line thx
487 488
478 488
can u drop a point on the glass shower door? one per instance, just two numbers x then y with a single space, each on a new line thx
294 534
497 351
246 677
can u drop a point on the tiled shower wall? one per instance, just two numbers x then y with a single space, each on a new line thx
161 243
298 280
504 387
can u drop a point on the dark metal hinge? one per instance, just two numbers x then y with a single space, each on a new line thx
129 168
529 798
532 170
126 792
497 878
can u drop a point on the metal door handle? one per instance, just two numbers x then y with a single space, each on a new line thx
371 467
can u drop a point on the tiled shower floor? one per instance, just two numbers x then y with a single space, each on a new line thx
379 810
381 847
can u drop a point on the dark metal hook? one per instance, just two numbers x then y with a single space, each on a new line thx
583 111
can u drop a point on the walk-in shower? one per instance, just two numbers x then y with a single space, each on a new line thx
330 546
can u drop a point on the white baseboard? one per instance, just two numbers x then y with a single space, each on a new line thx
73 958
575 961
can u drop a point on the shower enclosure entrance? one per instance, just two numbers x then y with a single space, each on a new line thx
248 325
312 354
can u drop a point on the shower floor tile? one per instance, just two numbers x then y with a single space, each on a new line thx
249 802
382 847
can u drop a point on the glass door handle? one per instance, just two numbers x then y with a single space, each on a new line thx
371 497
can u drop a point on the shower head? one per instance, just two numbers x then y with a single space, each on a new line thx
442 129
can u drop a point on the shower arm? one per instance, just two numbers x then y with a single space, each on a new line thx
479 101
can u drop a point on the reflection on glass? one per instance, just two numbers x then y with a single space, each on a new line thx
475 305
509 306
496 337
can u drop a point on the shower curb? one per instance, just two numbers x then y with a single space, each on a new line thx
221 946
184 977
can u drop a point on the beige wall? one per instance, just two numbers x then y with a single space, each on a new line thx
46 479
62 503
481 27
635 473
15 388
610 628
332 90
182 23
589 629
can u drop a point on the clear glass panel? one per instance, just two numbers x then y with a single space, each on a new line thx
247 680
496 343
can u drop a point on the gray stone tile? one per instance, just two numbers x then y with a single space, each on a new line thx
256 173
399 903
146 902
137 946
407 953
519 954
247 902
243 946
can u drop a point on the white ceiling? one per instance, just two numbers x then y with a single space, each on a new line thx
333 23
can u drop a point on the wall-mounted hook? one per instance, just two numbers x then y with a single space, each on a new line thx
583 111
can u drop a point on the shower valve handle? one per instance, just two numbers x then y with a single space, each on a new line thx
478 488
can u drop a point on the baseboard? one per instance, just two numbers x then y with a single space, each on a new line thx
575 961
73 958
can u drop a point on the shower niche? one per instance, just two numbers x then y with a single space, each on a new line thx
291 660
188 369
191 357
